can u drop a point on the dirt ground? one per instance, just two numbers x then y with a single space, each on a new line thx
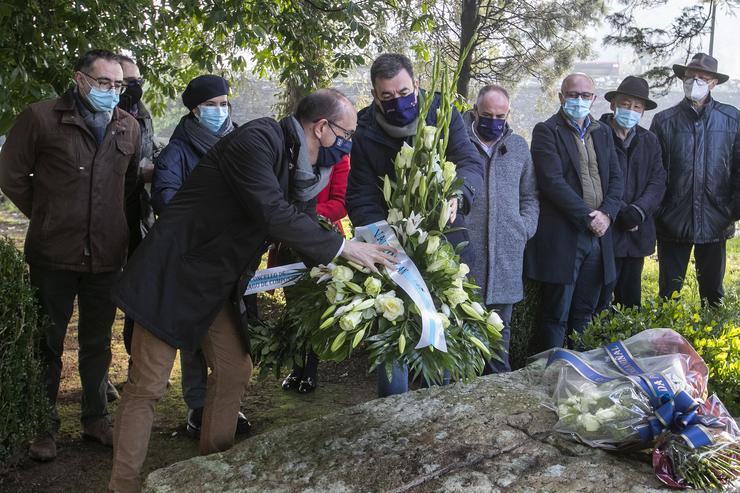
83 466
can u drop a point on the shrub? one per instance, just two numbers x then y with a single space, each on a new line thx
524 324
23 405
713 331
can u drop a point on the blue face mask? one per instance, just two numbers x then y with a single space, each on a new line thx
213 117
577 108
401 111
102 100
329 156
626 118
490 128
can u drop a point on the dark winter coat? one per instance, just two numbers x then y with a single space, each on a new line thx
551 254
373 152
236 199
644 186
701 154
504 216
74 191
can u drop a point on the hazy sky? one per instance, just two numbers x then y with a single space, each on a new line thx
726 40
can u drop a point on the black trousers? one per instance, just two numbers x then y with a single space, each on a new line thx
57 290
673 260
626 290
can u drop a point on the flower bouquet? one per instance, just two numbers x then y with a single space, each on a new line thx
425 314
647 391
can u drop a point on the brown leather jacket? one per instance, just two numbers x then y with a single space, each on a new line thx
73 190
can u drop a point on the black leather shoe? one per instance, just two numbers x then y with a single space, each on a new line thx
307 385
193 422
243 426
292 381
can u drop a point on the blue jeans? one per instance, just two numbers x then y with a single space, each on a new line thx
399 382
572 305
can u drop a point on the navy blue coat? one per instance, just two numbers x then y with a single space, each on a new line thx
373 152
644 185
172 167
551 254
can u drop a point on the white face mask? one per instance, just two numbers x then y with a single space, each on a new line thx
695 89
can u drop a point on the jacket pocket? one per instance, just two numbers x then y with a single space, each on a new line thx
125 150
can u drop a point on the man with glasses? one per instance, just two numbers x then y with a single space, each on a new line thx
580 184
700 140
70 166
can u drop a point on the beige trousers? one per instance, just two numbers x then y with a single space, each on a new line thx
152 359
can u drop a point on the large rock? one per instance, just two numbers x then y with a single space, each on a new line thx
491 435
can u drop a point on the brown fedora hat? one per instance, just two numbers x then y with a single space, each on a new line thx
703 62
635 87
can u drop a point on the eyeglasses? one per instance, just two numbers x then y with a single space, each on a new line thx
347 133
581 95
106 84
130 81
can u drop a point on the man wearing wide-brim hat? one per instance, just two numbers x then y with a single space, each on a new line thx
700 139
640 159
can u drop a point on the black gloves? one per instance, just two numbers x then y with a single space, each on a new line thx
629 217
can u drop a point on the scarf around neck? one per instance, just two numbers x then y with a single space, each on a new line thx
200 137
408 130
308 180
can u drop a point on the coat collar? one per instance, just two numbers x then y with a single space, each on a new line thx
70 115
564 132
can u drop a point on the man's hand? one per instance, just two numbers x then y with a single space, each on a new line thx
453 209
146 168
600 222
369 254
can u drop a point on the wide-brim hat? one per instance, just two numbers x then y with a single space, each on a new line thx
703 62
636 87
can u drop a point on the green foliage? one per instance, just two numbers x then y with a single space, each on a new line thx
524 324
713 331
23 406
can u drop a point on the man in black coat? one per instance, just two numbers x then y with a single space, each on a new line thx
253 185
382 129
700 139
580 183
640 161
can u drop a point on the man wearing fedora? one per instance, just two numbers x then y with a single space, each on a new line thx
700 140
639 154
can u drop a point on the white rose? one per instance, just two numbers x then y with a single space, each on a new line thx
389 306
372 286
462 270
495 320
449 171
455 296
342 274
394 216
350 320
432 244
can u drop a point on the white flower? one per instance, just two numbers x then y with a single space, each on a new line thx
444 215
422 236
436 265
449 171
589 422
316 272
605 415
333 294
410 227
417 179
369 314
389 306
350 320
455 296
394 216
404 156
445 310
427 136
495 320
443 320
432 244
478 308
342 274
437 169
372 286
462 270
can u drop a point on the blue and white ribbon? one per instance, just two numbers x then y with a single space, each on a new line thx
275 277
675 411
408 278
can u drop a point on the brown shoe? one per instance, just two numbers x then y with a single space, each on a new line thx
100 431
43 448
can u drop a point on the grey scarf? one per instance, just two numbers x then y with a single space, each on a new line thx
96 121
200 137
408 130
308 180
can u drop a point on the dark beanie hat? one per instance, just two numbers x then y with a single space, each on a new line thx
203 88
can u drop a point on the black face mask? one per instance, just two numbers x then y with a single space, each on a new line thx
131 96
